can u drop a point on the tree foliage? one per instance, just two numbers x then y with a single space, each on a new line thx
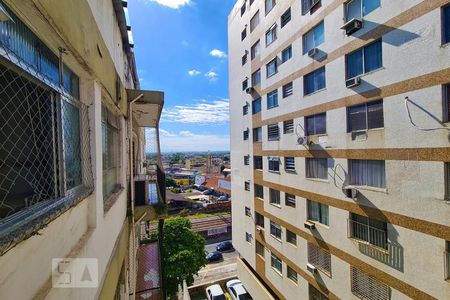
183 253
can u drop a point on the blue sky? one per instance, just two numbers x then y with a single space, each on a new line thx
181 49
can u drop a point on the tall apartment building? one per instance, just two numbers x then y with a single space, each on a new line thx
340 148
72 121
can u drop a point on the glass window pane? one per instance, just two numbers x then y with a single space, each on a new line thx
446 21
308 41
354 10
321 123
370 5
72 148
373 58
320 79
319 34
354 65
357 118
309 125
375 118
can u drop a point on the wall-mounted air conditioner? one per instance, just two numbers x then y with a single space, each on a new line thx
352 26
351 193
355 81
303 140
311 268
309 225
249 90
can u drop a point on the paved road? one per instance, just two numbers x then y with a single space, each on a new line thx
216 271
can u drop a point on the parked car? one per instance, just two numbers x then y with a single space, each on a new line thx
215 292
208 192
223 198
237 290
226 246
214 256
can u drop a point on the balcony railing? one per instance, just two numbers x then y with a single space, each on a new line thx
447 264
366 234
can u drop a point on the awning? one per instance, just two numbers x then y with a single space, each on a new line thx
147 110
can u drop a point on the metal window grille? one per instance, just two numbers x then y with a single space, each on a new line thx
319 258
259 191
244 84
276 263
245 135
291 274
291 237
288 89
247 160
273 132
245 109
367 287
259 248
289 164
290 200
369 231
247 211
274 197
244 59
315 294
247 185
275 230
288 126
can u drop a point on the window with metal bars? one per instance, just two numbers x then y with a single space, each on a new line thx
259 191
316 124
245 109
246 160
245 135
274 197
259 220
288 126
288 90
292 275
257 162
257 134
368 231
291 237
248 212
315 294
274 164
285 17
319 258
290 200
244 58
276 263
273 132
247 185
289 164
367 287
244 84
259 249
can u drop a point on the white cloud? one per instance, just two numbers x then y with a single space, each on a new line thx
199 112
188 141
218 53
175 4
194 72
213 76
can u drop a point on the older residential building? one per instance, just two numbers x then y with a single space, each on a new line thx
72 143
348 180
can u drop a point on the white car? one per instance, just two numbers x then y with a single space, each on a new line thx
237 290
215 292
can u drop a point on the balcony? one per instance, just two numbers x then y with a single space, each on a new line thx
368 235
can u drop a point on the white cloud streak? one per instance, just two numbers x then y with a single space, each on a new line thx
212 76
194 72
175 4
202 112
188 141
218 53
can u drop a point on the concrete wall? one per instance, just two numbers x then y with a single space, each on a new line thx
414 187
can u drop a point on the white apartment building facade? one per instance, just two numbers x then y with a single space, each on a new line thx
340 148
70 112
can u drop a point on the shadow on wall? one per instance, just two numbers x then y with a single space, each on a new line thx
391 35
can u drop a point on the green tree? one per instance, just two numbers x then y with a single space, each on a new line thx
183 253
170 181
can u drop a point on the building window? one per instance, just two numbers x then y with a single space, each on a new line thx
244 58
244 34
247 185
259 248
273 132
246 160
244 84
365 116
447 260
285 17
255 50
248 212
274 164
314 81
275 230
259 191
274 197
272 67
257 134
446 97
364 60
290 200
258 163
291 237
245 135
447 180
248 237
317 212
286 54
316 124
291 274
271 34
446 24
269 4
254 21
276 263
314 294
256 77
251 2
288 90
259 220
313 38
310 6
367 172
289 164
319 258
356 9
243 8
110 142
288 126
365 286
368 230
316 168
245 109
256 106
272 99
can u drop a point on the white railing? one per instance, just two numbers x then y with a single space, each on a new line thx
367 234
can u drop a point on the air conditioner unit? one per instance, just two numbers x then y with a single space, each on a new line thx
313 52
249 90
258 229
352 26
309 225
311 268
351 193
303 140
350 83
